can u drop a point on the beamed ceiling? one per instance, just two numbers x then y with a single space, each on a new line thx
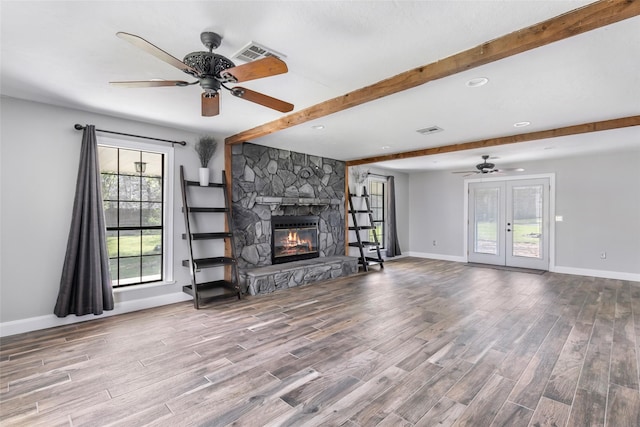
370 73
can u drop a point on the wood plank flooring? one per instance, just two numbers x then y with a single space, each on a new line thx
420 343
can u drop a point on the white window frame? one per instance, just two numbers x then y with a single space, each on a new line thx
383 239
167 227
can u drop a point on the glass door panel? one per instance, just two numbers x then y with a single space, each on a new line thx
527 220
486 216
486 220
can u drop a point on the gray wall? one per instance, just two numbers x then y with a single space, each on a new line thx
597 195
436 212
39 158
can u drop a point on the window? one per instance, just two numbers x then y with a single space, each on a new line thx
134 192
377 201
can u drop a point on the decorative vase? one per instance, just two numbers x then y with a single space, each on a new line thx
204 177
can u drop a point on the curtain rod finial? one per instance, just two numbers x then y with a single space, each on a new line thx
78 127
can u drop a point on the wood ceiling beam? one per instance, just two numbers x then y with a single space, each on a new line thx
511 139
578 21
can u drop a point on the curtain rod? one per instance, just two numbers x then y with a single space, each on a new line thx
80 127
382 176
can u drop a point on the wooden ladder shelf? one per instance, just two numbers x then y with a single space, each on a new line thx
201 290
364 245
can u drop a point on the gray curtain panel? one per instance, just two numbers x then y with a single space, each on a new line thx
85 285
393 247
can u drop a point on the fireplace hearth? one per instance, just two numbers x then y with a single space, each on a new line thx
294 238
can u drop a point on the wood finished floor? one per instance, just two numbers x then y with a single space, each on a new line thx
420 343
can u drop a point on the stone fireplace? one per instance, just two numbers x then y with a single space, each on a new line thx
269 185
268 182
293 238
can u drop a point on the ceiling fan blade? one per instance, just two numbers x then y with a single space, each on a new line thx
150 83
210 104
510 170
265 67
262 99
156 51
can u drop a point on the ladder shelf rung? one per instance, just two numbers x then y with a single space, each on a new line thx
362 227
211 184
371 244
209 289
218 261
207 210
207 236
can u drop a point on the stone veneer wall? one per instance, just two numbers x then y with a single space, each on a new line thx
271 182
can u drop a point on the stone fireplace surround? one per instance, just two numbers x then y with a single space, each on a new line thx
270 182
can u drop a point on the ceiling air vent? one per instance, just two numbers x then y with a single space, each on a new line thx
253 51
430 130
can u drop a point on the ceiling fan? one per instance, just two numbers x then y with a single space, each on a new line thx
212 72
486 167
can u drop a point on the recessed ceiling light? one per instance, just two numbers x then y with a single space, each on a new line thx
385 147
477 82
521 124
317 127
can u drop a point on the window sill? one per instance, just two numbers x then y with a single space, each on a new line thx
125 289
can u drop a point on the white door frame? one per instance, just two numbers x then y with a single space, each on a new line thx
552 210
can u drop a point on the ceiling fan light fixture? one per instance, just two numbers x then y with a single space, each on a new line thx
208 63
477 82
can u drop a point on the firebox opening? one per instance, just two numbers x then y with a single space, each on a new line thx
294 238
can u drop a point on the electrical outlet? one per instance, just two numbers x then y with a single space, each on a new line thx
435 243
603 255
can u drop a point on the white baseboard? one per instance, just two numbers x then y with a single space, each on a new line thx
617 275
51 320
440 257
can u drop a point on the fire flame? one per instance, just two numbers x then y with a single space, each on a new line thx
293 241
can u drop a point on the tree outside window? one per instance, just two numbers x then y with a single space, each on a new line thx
133 197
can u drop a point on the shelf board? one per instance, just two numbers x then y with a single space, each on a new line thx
362 227
208 236
211 184
369 244
207 210
211 289
361 211
218 261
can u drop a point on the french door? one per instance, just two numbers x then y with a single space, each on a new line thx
509 223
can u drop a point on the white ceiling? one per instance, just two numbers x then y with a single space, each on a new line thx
65 53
